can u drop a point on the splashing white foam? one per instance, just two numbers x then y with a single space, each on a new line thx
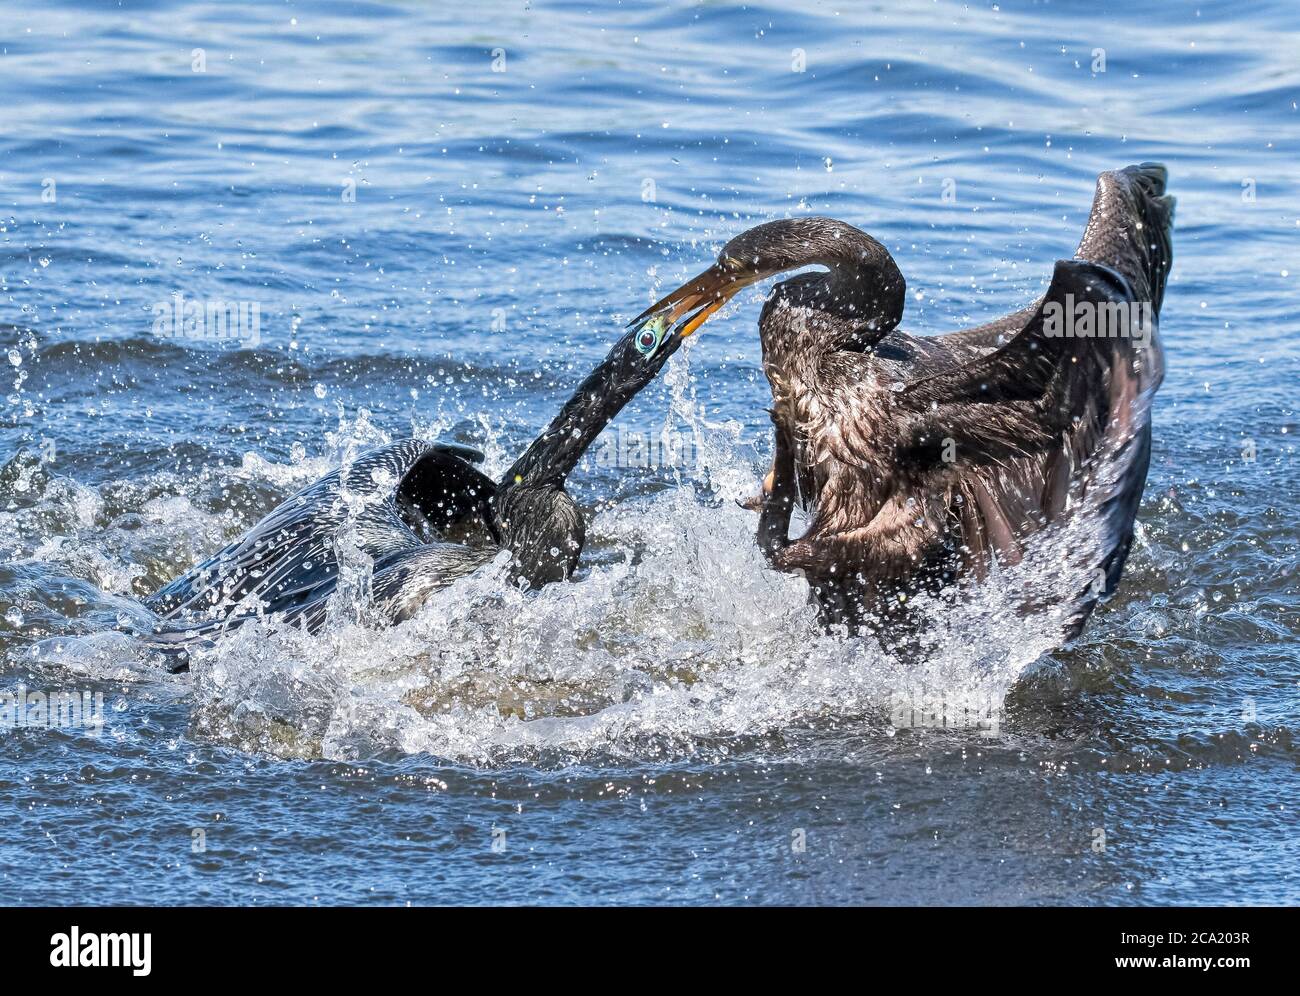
688 641
685 642
681 641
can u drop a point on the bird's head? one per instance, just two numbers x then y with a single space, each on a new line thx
863 293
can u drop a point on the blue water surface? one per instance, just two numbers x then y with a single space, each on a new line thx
444 214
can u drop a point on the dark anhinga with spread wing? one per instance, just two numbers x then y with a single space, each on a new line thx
395 510
928 459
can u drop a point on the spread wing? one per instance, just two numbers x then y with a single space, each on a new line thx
1055 420
391 501
400 584
1129 229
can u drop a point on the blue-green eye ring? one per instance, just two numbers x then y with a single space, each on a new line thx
651 336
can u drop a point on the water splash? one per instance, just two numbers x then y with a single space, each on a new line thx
686 644
678 641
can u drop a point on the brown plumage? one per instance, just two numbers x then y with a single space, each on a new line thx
925 460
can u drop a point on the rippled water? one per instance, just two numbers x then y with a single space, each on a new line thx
444 215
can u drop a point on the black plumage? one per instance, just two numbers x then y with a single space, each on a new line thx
392 514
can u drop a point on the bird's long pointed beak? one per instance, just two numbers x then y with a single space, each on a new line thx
694 302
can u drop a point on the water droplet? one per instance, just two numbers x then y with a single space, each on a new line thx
14 617
15 357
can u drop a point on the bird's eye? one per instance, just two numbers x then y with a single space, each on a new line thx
650 337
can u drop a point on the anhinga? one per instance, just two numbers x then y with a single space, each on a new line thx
398 507
927 459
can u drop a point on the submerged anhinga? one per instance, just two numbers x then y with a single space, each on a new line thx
398 506
927 459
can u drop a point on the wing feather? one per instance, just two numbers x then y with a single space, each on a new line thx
288 560
1044 425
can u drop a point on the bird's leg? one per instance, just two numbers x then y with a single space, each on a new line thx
754 503
778 496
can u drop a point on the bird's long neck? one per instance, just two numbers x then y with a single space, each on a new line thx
599 398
